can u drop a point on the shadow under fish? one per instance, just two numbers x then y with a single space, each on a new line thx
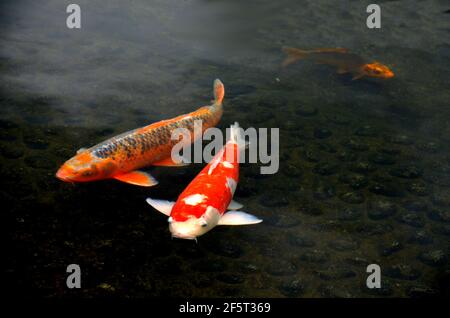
340 58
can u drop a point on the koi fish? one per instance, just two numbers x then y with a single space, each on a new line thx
121 156
204 202
344 61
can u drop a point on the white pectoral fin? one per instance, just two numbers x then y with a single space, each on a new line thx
162 206
234 205
238 218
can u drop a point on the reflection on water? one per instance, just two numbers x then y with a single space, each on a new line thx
365 165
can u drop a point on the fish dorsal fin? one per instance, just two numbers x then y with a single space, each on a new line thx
136 177
168 162
238 218
163 206
219 91
81 150
234 205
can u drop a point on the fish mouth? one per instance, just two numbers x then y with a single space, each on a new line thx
63 175
184 237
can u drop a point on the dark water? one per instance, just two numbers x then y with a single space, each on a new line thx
365 165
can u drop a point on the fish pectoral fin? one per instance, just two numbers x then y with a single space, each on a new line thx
139 178
168 162
357 76
234 205
238 218
163 206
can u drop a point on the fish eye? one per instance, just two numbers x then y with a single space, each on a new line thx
203 222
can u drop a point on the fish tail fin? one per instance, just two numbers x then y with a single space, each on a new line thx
293 55
237 136
219 92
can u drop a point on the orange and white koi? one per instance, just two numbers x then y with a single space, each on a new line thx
204 202
344 61
121 156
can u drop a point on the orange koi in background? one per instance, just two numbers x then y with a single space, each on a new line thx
205 201
340 58
121 156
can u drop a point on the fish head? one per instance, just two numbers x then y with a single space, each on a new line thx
378 70
80 168
193 227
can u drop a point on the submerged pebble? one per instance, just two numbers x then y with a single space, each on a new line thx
301 241
400 139
439 215
209 266
292 171
411 219
292 288
348 214
7 124
357 145
347 156
366 131
354 180
418 188
334 273
391 248
312 155
421 237
362 167
380 209
343 245
441 198
38 162
434 257
386 189
283 220
323 191
322 133
279 267
306 110
274 199
407 172
415 206
325 168
334 292
338 119
402 271
352 197
230 278
314 256
381 159
421 291
227 249
374 228
11 151
36 143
